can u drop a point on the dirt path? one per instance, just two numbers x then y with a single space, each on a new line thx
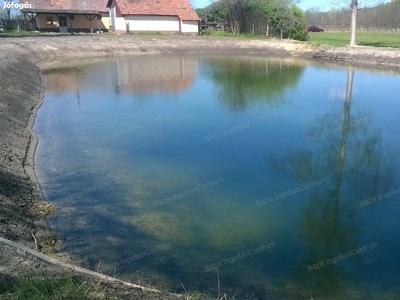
22 207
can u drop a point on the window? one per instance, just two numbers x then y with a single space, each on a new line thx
49 20
71 16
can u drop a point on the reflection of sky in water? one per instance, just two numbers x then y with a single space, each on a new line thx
156 114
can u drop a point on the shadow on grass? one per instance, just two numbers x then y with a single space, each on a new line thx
378 44
12 185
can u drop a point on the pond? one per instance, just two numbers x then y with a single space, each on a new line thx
277 178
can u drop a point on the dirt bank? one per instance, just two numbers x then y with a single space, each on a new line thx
22 207
41 47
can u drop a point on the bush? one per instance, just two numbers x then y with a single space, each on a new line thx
245 14
292 22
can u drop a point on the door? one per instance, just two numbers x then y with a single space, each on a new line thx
63 24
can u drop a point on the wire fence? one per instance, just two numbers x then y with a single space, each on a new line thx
15 24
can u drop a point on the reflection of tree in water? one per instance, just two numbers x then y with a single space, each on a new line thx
246 81
349 155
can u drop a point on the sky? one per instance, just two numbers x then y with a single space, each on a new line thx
304 4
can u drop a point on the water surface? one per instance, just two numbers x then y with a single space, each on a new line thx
281 175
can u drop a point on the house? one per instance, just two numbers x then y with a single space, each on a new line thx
149 74
67 15
164 16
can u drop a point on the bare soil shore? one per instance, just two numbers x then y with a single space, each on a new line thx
22 206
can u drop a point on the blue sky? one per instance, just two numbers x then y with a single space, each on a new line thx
304 4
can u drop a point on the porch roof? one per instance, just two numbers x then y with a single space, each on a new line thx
60 11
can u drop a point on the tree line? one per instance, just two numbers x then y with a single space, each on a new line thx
261 17
383 17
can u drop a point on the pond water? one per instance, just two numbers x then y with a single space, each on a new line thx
278 178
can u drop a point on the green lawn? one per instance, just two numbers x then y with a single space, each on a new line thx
222 33
374 39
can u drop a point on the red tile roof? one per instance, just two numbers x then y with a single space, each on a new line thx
181 8
81 5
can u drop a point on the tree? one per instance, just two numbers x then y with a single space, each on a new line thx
8 9
216 12
346 151
257 16
246 81
266 9
3 14
236 9
354 8
291 22
384 16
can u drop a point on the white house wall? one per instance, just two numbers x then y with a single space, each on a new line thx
191 27
120 24
153 23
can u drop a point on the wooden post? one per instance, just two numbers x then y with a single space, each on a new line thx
25 22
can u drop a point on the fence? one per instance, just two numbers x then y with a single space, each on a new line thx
359 28
14 24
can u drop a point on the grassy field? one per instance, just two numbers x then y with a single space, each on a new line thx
222 33
374 39
337 39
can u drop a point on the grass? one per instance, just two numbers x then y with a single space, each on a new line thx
36 288
71 287
222 33
149 33
374 39
15 32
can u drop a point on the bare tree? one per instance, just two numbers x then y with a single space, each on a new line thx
235 14
354 8
8 9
